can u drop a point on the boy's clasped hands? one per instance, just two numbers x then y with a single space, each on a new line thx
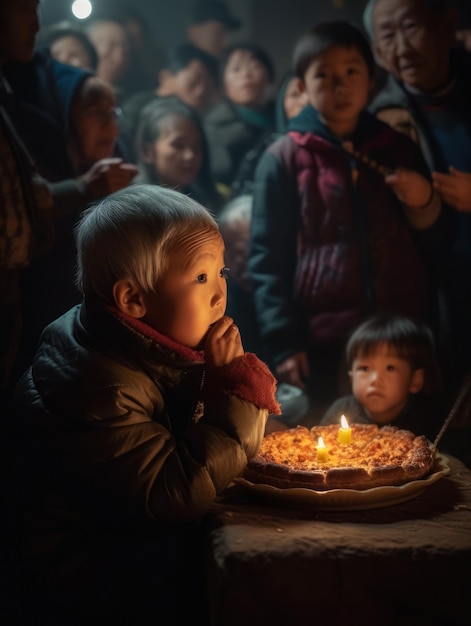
223 343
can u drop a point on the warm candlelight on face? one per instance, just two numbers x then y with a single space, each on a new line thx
321 451
345 432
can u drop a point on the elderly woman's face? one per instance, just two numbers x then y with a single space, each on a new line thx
412 42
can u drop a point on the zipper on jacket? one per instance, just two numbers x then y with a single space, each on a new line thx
199 408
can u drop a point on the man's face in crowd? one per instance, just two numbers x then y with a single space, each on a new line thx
413 42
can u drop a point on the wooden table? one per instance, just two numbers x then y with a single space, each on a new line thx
407 564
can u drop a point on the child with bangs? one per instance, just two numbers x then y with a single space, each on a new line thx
395 377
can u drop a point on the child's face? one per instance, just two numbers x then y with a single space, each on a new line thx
71 51
114 53
382 382
338 85
178 152
194 85
211 36
192 293
246 80
95 129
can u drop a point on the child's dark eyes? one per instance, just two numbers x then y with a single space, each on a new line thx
203 278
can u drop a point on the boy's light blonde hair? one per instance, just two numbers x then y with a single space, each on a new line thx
130 233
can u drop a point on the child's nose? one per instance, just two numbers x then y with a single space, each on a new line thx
219 297
339 83
374 376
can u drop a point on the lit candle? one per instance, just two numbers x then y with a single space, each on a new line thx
345 432
322 453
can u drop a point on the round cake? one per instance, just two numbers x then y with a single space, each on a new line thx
370 457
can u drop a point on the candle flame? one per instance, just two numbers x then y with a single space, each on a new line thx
343 421
320 443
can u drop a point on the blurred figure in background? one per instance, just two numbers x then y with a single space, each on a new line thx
244 118
210 26
108 33
93 129
91 132
172 151
30 119
147 56
428 97
69 44
188 73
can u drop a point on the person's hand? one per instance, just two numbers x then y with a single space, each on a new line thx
411 188
454 188
223 343
106 176
294 370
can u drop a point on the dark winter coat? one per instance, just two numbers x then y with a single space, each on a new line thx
234 144
125 430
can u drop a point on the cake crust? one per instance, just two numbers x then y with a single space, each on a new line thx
375 457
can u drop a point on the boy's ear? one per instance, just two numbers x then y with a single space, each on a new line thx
417 381
129 298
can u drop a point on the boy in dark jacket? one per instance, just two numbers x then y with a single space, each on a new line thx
140 407
339 205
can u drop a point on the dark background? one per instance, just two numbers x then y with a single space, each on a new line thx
273 24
